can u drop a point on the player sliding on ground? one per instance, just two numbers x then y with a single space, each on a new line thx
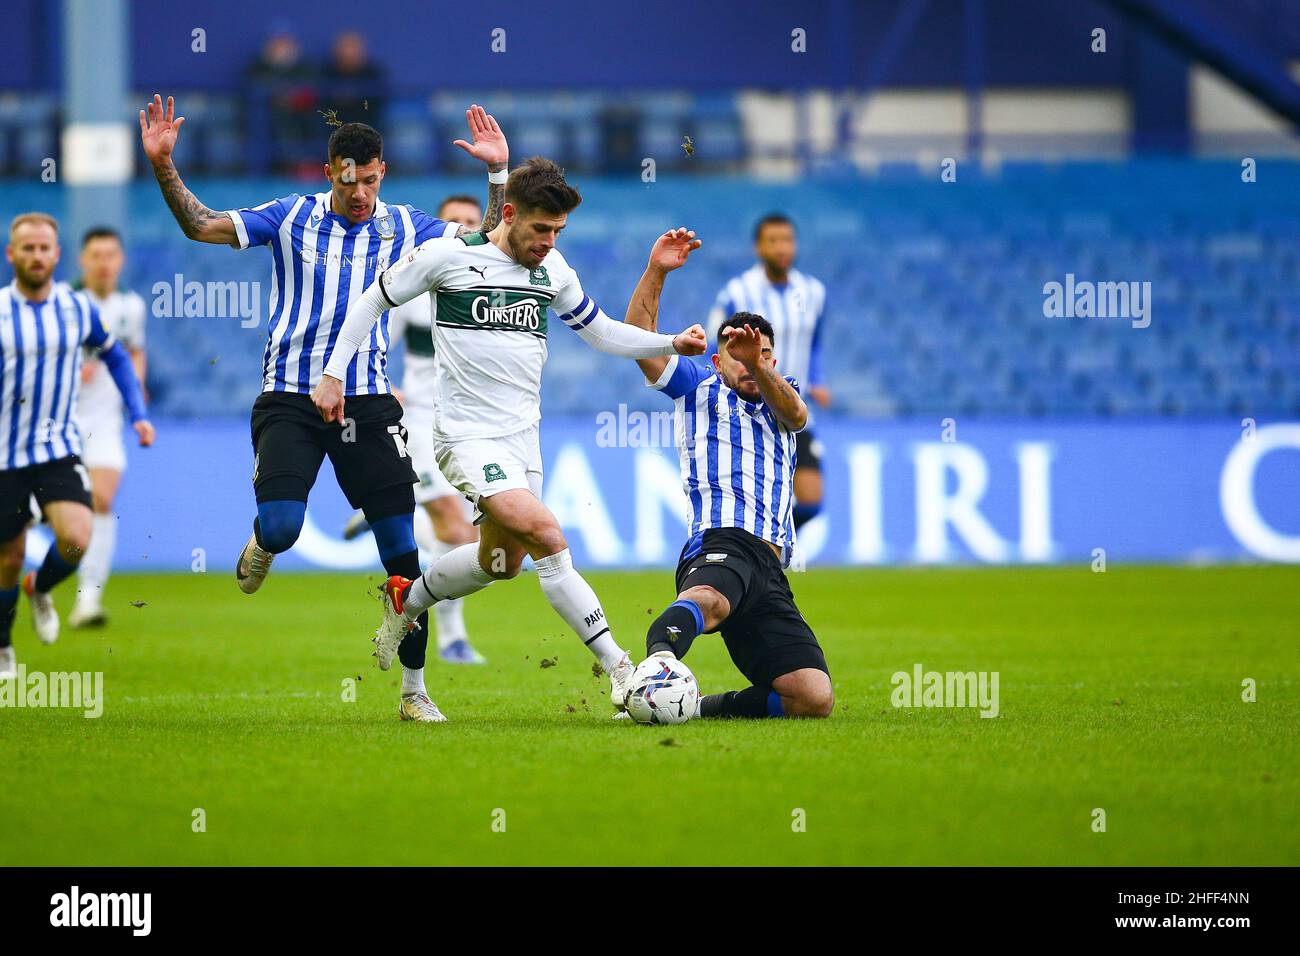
326 249
491 295
736 427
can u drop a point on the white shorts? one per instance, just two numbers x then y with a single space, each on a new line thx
481 467
101 442
419 445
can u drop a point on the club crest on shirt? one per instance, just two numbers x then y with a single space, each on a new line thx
384 226
539 277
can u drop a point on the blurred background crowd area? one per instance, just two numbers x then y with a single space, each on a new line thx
1112 156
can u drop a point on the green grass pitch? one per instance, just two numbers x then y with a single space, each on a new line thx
1120 691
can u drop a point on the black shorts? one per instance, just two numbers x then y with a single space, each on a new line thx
765 634
808 450
64 479
371 463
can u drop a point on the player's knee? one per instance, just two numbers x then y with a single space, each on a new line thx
808 694
279 523
12 555
501 564
544 535
713 604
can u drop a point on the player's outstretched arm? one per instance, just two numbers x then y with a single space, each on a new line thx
669 252
745 344
159 128
489 145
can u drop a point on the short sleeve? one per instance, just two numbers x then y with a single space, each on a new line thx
416 273
427 227
680 377
794 383
258 225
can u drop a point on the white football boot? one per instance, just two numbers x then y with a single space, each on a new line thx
357 526
620 682
8 664
418 707
394 627
87 612
253 566
44 616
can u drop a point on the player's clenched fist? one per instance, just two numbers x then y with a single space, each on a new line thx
328 398
144 432
691 342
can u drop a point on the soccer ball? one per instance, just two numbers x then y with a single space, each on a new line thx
664 691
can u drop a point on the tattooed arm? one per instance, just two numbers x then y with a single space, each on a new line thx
490 147
745 345
158 132
496 196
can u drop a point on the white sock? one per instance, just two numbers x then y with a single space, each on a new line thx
575 601
413 681
97 563
455 575
449 619
425 539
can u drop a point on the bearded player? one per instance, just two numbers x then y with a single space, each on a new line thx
737 427
491 296
326 249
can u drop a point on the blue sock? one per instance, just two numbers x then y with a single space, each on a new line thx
52 570
675 629
774 708
278 524
8 605
395 538
394 535
750 702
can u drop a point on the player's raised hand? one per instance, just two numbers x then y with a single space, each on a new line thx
145 432
159 128
327 396
671 250
745 345
691 342
489 144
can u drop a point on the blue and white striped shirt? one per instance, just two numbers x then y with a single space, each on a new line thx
321 263
737 459
796 311
40 372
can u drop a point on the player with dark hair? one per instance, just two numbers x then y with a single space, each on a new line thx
326 250
795 304
736 434
491 292
99 412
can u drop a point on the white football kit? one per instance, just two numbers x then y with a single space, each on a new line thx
412 324
489 334
99 414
